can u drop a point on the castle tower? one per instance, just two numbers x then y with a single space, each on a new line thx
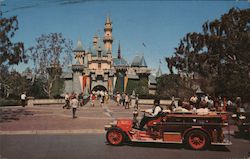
108 35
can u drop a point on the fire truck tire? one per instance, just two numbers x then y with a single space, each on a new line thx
197 139
115 136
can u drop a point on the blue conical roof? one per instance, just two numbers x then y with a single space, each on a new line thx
159 72
79 46
139 61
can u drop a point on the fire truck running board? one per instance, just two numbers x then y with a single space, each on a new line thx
157 141
222 143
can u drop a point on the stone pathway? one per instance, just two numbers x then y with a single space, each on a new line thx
53 119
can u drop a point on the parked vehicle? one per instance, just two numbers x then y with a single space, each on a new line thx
242 119
196 131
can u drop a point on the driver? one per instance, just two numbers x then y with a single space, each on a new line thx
152 113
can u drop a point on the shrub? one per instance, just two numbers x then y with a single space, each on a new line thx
9 102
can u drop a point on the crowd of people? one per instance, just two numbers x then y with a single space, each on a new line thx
205 103
201 103
126 101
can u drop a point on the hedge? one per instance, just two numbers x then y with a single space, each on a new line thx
9 102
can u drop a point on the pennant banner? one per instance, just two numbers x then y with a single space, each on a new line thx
84 79
88 84
109 85
81 82
114 82
125 82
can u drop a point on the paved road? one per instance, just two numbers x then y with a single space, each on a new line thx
93 146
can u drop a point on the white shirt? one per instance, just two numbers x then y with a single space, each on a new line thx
126 98
202 111
66 97
118 97
156 112
23 97
74 103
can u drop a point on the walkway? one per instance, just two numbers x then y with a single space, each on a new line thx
53 119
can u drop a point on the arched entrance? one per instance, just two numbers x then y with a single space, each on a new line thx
99 88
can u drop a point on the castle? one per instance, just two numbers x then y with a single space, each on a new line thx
97 69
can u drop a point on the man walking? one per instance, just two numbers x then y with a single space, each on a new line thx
74 103
66 101
23 99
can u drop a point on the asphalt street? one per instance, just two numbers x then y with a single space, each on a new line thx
94 146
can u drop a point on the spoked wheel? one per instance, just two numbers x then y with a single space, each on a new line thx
115 137
197 140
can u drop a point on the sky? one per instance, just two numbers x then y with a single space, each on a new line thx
143 27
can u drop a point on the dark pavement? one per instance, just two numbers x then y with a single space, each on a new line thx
93 146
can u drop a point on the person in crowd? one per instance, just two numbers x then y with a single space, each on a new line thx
186 105
127 100
118 98
123 98
203 110
102 98
151 113
80 99
136 101
210 103
74 103
66 98
238 102
92 99
23 99
172 101
106 97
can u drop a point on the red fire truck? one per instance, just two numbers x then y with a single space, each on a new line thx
197 131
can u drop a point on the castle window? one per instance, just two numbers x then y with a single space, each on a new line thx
99 65
99 53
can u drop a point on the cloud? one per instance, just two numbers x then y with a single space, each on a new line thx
66 2
26 4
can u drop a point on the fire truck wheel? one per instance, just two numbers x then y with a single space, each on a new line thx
115 136
197 140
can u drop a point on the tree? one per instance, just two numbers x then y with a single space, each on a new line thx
50 55
169 85
220 54
139 86
12 83
10 53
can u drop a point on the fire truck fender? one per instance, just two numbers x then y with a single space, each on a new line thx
196 128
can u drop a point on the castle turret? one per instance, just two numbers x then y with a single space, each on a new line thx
95 41
108 40
79 53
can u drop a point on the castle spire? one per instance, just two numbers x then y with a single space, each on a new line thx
159 72
119 51
108 20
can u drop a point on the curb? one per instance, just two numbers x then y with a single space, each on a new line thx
44 132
